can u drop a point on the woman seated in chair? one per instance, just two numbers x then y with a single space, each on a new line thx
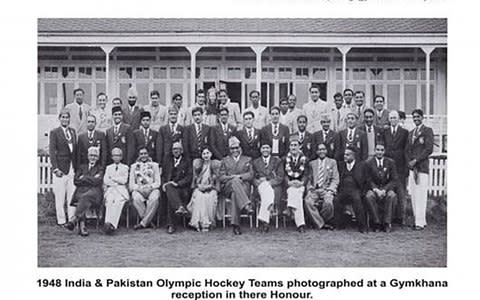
205 184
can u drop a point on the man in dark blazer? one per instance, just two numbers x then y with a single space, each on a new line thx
325 136
132 111
88 193
374 133
396 139
176 180
197 135
221 134
120 136
419 148
351 136
268 180
276 134
145 136
249 136
304 137
63 152
382 180
92 138
351 189
168 134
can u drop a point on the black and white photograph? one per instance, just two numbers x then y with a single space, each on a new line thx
242 142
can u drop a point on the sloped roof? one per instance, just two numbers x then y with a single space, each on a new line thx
204 25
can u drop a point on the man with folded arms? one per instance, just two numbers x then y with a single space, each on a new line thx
116 192
145 184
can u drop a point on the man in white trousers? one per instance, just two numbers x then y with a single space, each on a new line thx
419 148
116 192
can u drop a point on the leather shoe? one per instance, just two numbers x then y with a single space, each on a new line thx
108 228
301 229
69 225
328 227
236 230
138 226
181 211
376 228
82 229
248 209
387 228
266 228
170 229
418 228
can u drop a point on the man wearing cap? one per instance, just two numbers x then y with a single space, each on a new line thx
145 187
132 111
325 136
322 186
374 133
78 111
351 136
120 136
304 137
177 178
145 136
249 136
419 148
268 180
292 113
197 135
116 193
103 117
168 134
63 152
260 113
338 113
381 114
234 115
236 173
92 138
88 192
158 112
221 133
275 134
314 108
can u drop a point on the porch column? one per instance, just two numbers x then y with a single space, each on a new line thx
193 67
258 49
107 50
428 50
344 50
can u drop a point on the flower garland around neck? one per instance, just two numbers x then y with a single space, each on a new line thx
288 166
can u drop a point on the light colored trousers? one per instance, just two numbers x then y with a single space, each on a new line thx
419 197
315 198
113 208
295 201
146 207
267 195
63 189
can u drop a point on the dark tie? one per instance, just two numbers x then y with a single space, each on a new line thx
321 174
394 131
115 130
67 135
145 132
338 118
171 128
116 167
369 129
275 130
80 112
199 135
350 135
250 135
266 162
380 164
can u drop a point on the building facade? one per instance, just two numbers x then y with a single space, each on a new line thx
386 57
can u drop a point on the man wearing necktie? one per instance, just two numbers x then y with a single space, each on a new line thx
78 111
419 148
374 133
120 136
305 138
382 181
381 114
168 134
276 134
360 105
351 136
221 133
132 111
116 192
92 138
198 135
63 153
145 136
322 185
249 136
338 113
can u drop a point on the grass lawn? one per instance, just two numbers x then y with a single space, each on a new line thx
282 247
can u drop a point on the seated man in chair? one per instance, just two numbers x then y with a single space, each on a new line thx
88 193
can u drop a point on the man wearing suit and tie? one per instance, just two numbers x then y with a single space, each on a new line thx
78 112
63 152
236 173
338 113
168 134
381 114
382 179
276 134
249 136
145 136
221 133
197 135
304 137
132 111
92 138
268 180
325 136
351 136
351 189
120 136
177 178
396 139
322 185
374 133
419 148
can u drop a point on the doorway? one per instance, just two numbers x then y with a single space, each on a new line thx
234 90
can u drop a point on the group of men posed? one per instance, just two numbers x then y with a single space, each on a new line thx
328 163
